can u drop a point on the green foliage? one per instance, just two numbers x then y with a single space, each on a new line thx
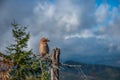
26 65
18 53
45 70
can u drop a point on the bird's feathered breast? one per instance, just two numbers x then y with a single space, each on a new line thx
43 48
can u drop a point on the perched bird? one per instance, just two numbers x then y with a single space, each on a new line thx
43 47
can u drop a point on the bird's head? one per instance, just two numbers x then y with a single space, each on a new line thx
44 40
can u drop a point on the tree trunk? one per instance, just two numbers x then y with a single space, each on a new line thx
55 64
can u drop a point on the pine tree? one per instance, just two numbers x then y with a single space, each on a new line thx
19 54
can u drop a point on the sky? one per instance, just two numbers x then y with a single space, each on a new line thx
85 30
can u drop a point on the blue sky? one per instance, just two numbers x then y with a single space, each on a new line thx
85 30
110 2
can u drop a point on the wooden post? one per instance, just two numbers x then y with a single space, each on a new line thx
55 64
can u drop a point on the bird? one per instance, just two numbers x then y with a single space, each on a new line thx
43 47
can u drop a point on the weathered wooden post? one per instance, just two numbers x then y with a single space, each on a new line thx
55 64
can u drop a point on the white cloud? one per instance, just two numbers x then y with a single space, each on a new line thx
102 13
70 21
86 34
55 18
48 10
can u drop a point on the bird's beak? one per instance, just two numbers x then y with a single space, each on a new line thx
48 40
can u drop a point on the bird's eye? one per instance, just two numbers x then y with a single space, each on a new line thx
44 41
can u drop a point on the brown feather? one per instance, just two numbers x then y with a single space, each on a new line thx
43 46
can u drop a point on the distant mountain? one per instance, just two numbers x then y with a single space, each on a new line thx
89 72
111 59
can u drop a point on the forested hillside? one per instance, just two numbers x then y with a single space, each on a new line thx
90 72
